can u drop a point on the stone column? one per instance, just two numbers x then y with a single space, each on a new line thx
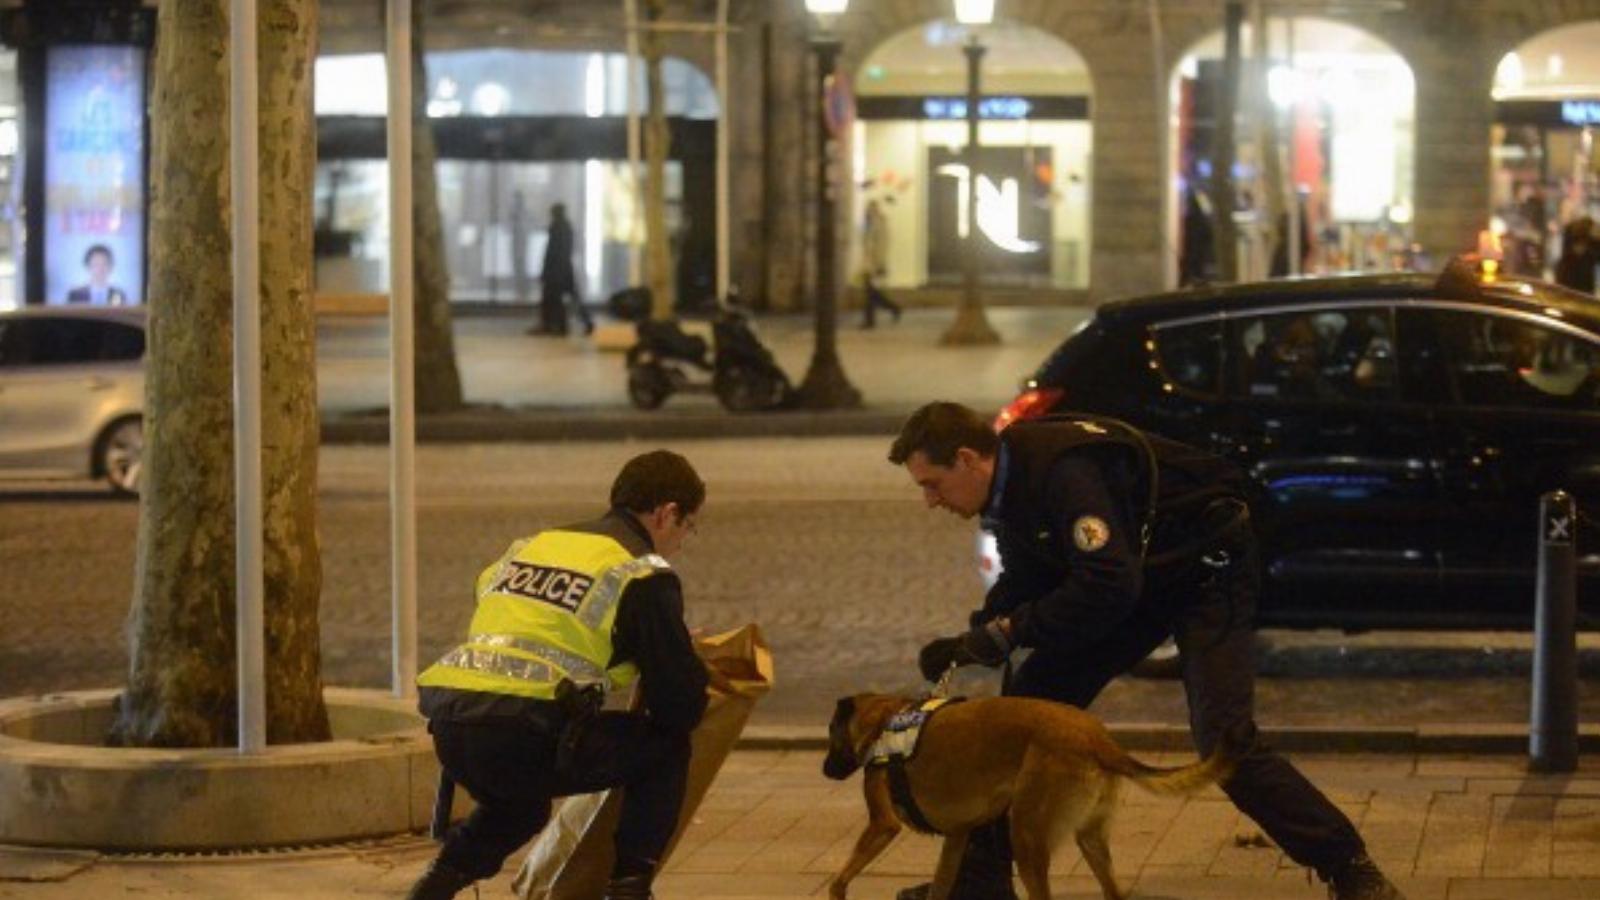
1454 112
1129 169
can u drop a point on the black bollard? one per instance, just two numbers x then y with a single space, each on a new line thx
1553 733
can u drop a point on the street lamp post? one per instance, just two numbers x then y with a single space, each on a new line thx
825 385
972 325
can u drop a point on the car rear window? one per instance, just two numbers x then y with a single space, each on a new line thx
1190 355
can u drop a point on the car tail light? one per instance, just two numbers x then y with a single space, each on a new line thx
1031 404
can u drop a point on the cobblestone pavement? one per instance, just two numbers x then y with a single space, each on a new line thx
817 539
772 828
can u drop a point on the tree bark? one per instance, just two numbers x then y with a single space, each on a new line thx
182 689
657 142
438 381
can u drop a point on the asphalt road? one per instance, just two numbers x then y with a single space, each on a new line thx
818 540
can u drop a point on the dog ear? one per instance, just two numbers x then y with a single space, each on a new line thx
844 709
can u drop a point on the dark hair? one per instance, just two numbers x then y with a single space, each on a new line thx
939 430
98 248
655 478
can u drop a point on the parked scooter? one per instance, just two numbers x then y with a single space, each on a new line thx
735 366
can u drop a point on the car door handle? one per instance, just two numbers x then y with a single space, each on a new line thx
99 383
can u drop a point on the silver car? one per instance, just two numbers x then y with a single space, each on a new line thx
72 394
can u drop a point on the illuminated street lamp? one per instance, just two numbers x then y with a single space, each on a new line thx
825 385
972 325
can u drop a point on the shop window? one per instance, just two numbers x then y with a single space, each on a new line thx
1320 354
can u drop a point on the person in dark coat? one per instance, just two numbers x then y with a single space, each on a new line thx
1580 253
1197 262
557 280
1112 540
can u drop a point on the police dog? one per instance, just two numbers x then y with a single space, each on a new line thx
1054 767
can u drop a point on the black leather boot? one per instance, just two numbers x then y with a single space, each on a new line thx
440 882
984 875
1361 879
629 887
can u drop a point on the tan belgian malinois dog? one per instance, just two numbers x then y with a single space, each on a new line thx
1054 767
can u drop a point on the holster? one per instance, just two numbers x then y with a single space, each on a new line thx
579 706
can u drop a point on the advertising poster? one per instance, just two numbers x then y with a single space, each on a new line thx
94 175
1013 214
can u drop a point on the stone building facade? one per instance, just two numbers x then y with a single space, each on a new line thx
1130 47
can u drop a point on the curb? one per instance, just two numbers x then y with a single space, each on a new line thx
1488 740
550 425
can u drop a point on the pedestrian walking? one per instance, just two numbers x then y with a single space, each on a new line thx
514 711
1111 540
874 264
557 279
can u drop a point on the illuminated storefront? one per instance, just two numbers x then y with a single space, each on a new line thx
1341 104
517 132
1033 179
1546 165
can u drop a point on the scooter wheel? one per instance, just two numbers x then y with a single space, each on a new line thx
648 386
742 389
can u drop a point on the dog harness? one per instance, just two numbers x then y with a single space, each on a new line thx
896 746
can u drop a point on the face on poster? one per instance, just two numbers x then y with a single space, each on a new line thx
94 175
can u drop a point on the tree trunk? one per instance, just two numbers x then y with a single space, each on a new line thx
438 381
657 141
182 683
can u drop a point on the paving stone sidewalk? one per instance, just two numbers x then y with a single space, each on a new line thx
772 828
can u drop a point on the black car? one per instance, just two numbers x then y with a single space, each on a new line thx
1401 428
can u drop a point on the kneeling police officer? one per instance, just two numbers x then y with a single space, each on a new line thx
560 618
1112 540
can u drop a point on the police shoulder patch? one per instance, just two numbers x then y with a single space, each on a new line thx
1090 533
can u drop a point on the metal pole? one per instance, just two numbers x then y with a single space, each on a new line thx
245 169
1553 732
971 325
402 386
724 124
825 385
635 262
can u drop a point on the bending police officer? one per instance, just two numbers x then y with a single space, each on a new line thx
1112 540
569 613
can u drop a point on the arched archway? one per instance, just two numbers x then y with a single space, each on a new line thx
1546 167
1033 190
1338 132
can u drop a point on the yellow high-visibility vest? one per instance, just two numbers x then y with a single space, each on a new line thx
545 612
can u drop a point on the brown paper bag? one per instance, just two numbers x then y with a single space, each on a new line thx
571 858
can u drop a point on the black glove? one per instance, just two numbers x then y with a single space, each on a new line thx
984 646
939 655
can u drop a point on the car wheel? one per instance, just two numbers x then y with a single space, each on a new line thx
120 454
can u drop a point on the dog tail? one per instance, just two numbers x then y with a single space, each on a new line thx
1184 780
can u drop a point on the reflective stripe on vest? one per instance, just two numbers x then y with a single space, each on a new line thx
546 610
